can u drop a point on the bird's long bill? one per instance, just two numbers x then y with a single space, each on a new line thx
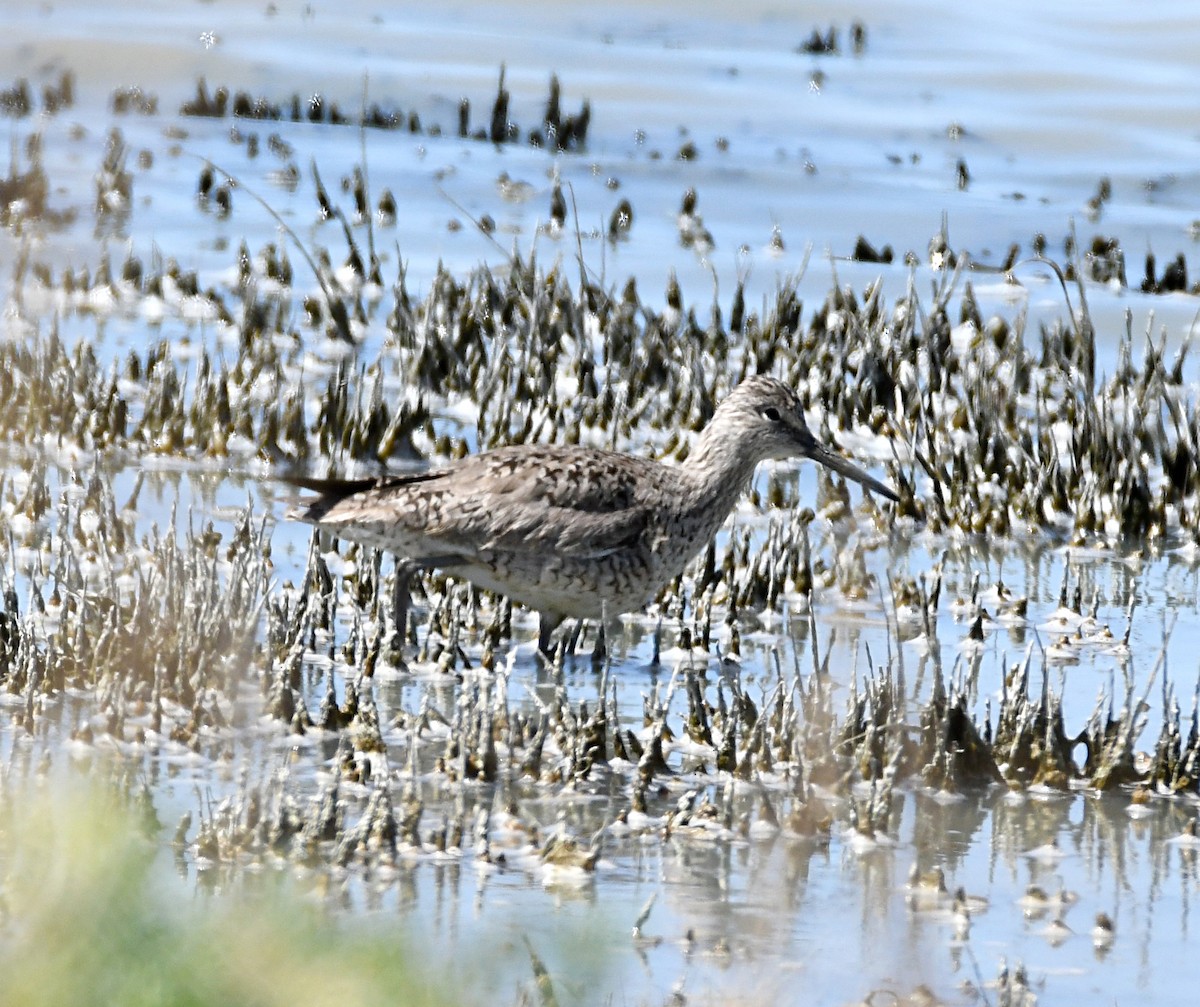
843 466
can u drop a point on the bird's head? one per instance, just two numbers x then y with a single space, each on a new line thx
767 421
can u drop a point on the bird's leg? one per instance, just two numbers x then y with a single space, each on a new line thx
401 599
600 651
547 624
573 639
401 596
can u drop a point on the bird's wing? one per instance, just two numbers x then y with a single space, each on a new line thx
341 498
568 532
576 504
564 501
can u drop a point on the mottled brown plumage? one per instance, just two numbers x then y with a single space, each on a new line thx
574 531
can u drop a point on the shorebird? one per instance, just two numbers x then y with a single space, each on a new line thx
573 531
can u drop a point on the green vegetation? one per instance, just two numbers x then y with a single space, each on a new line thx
88 916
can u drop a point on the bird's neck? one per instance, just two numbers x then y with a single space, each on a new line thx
718 471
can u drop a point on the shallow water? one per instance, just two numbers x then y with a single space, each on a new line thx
1040 106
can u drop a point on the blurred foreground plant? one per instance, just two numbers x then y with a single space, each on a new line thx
88 915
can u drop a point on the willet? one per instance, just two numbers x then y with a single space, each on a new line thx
573 531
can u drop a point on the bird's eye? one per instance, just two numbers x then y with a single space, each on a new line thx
772 414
